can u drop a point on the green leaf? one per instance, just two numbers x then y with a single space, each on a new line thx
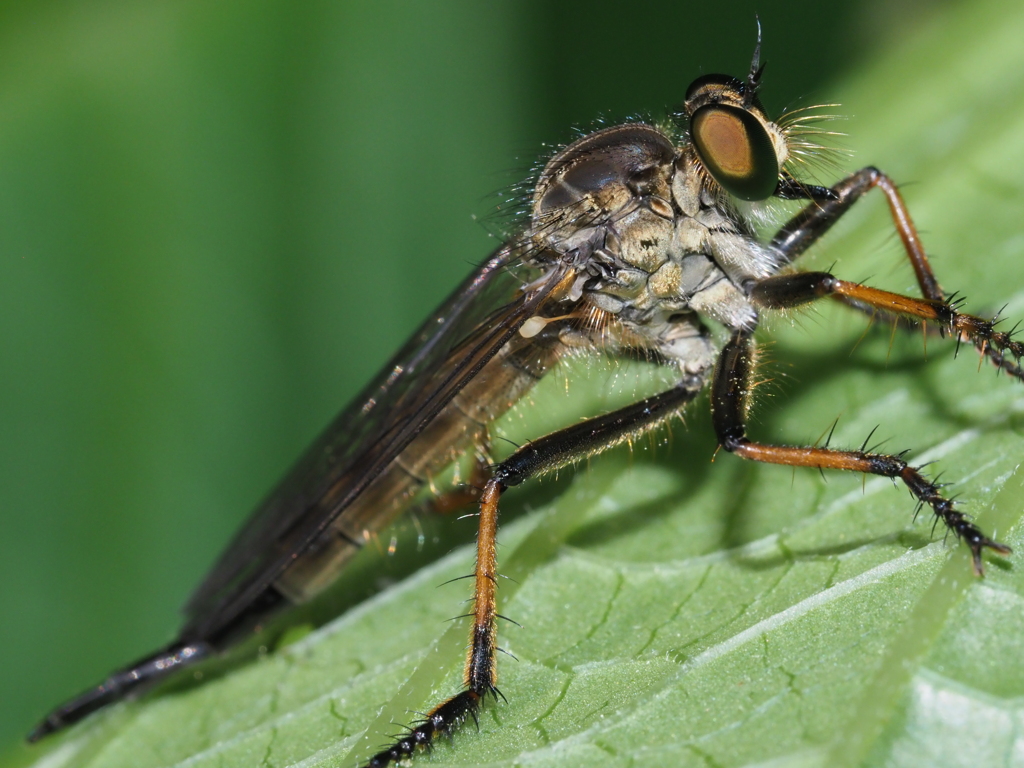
681 612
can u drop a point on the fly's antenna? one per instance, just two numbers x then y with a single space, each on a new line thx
756 68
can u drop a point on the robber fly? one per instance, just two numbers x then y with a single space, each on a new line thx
635 242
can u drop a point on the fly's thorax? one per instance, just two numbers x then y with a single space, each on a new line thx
684 340
694 252
604 177
674 339
649 225
713 242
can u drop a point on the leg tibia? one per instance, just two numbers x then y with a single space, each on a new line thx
728 395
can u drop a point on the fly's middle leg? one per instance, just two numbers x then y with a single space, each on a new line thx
729 391
538 457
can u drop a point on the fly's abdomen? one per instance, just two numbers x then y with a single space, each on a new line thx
461 425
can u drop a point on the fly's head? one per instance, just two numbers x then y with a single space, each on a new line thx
733 143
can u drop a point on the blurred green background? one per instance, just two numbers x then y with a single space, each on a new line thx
217 219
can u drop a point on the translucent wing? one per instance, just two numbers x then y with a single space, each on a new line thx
447 350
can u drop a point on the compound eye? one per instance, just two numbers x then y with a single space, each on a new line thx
736 150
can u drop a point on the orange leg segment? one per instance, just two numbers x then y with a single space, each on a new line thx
728 397
999 347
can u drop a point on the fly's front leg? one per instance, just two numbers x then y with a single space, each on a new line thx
559 449
786 291
808 226
816 219
729 392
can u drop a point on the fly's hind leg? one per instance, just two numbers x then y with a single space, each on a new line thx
729 392
547 454
466 492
